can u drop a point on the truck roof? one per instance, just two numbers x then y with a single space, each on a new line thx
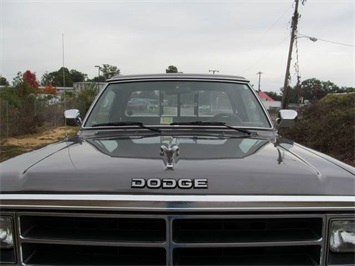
178 76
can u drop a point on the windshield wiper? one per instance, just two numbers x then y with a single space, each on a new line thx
126 123
210 123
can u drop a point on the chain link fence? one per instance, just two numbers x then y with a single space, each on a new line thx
26 117
23 112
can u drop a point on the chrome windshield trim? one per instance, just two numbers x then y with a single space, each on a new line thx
183 77
176 203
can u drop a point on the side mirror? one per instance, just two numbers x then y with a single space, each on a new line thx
286 118
73 114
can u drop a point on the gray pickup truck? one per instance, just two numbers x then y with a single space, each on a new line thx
177 169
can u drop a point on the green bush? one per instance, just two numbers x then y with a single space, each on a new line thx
327 126
85 97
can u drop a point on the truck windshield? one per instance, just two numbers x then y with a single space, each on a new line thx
167 102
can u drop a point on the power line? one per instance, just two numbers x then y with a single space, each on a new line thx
337 43
266 33
318 39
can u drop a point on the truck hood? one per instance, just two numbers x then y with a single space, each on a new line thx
232 166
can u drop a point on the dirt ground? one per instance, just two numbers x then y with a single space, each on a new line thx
10 147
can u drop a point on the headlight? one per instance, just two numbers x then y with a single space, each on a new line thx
342 235
6 232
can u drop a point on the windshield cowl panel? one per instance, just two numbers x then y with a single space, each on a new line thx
159 103
174 131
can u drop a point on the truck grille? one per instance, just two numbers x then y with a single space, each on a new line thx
170 239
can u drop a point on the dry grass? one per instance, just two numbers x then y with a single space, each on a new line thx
10 147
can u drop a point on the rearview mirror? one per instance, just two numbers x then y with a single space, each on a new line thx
73 114
286 118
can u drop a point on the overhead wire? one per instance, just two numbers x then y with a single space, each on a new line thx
339 43
264 34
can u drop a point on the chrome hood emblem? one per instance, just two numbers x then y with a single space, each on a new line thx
170 151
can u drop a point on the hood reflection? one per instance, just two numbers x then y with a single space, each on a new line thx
190 148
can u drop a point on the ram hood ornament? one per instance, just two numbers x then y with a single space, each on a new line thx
170 151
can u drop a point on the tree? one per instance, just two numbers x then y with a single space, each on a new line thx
77 76
48 78
99 79
171 69
345 90
18 79
108 71
314 89
25 84
24 102
86 96
63 78
274 95
49 89
3 81
30 78
55 78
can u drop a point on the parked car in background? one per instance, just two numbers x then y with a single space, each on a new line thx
153 104
138 104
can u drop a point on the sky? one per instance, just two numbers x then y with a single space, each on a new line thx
235 37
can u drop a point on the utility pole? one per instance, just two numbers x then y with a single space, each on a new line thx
293 37
98 76
213 71
259 73
63 62
65 101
